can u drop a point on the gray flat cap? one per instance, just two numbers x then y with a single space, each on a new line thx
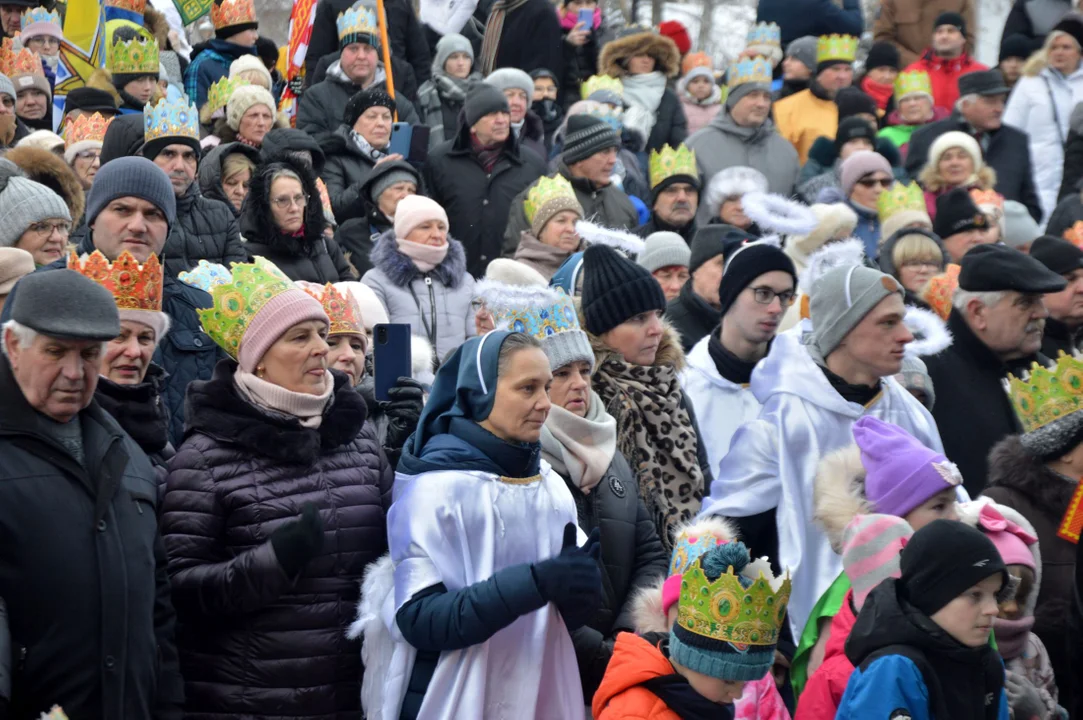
64 304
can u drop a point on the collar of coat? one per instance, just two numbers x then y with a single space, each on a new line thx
401 270
1013 468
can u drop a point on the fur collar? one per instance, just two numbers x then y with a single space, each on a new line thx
1013 468
257 224
49 169
615 53
669 350
215 408
838 493
402 271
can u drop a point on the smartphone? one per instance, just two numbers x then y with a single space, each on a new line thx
586 16
391 356
401 135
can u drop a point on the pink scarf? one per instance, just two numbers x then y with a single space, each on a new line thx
1011 635
424 257
570 19
268 396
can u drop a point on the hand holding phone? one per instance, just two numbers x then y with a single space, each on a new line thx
391 356
586 19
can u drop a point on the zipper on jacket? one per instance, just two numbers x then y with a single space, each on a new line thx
432 305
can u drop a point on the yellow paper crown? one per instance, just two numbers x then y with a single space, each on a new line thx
1047 395
911 82
170 120
545 191
139 56
842 48
667 163
86 128
601 82
236 303
26 62
900 197
749 70
219 93
134 6
134 286
342 309
232 12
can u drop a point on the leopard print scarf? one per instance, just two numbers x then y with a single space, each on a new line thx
656 435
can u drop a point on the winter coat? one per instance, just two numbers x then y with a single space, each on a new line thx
440 113
867 230
345 171
798 18
579 63
692 316
944 73
141 412
657 224
478 203
253 641
724 144
1034 19
406 83
1073 158
323 106
437 304
210 171
1068 212
1021 481
803 117
357 236
699 113
205 229
405 35
531 39
208 66
83 570
531 135
622 695
823 693
1058 338
823 157
1041 107
909 24
1007 153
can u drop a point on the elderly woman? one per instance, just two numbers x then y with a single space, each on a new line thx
225 173
387 184
37 219
955 160
420 275
913 256
355 148
724 193
274 505
1042 101
441 97
83 146
552 211
250 115
283 221
637 362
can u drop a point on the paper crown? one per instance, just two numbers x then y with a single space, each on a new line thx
613 117
911 82
236 303
134 286
358 23
596 83
40 15
86 128
1047 395
900 197
206 276
749 70
170 119
7 56
220 91
667 163
232 12
940 289
689 548
987 197
727 611
26 62
139 56
134 6
538 311
765 34
343 310
841 48
545 191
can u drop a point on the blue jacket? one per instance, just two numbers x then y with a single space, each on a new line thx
208 66
798 18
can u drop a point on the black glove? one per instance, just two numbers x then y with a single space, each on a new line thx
403 410
299 541
572 580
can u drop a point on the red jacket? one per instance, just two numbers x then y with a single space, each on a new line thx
621 695
944 74
823 693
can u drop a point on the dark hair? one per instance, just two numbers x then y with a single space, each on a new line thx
267 51
512 344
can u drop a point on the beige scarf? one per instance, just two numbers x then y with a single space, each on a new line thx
278 400
580 448
425 257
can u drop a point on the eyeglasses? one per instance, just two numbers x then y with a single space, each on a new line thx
88 154
284 203
45 41
885 183
45 228
765 296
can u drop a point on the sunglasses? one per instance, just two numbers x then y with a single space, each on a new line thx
885 183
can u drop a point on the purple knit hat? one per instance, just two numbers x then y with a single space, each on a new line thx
900 472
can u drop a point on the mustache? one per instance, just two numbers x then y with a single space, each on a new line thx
682 205
1035 326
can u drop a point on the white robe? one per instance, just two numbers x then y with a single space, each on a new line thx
772 460
459 528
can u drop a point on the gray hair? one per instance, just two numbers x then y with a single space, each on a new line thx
965 99
962 298
23 335
283 173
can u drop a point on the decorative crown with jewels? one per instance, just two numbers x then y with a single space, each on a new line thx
912 82
170 119
134 286
546 190
342 309
26 62
134 6
237 302
900 197
762 33
40 15
614 117
667 162
86 127
538 311
220 91
358 23
139 56
206 276
232 12
749 70
601 82
1047 395
841 48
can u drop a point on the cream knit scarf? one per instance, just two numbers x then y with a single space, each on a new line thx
580 448
278 400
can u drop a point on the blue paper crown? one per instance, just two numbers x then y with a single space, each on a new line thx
40 15
614 117
756 70
170 119
765 34
357 23
206 276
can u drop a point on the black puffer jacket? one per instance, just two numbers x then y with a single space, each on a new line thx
253 641
210 170
205 230
346 170
323 106
140 411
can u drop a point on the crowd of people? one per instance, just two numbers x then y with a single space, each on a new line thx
748 390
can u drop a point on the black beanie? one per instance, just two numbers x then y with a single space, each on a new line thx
586 135
852 101
1015 46
616 289
853 128
231 30
713 240
1057 254
483 99
375 96
950 18
956 213
747 264
882 54
943 560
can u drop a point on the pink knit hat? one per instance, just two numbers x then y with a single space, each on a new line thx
281 312
414 210
858 165
871 548
1011 541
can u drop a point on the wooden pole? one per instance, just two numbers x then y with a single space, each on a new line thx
385 48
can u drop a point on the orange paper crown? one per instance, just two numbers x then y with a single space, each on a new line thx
86 127
7 56
342 309
135 6
134 286
26 62
232 12
987 197
940 288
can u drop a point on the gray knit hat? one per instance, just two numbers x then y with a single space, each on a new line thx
65 304
841 298
664 249
131 177
586 136
387 180
914 377
509 78
803 49
7 87
24 202
483 99
448 46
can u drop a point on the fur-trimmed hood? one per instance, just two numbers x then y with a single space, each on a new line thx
969 513
1013 468
257 223
669 350
49 169
157 24
615 53
401 270
838 493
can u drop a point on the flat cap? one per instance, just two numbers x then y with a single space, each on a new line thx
1057 254
985 82
992 268
64 304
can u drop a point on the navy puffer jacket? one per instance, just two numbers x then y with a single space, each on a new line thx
252 641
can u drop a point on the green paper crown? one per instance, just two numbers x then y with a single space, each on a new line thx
545 191
842 48
911 82
900 197
601 82
236 303
139 56
219 93
727 611
667 162
1046 396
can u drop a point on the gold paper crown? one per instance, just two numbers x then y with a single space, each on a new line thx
219 93
134 286
900 197
232 12
601 82
913 81
358 22
135 6
26 62
86 128
842 48
667 163
749 70
40 15
342 309
1047 395
170 120
138 56
987 197
236 303
545 191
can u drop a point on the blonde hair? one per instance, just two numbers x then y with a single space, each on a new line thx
255 77
1040 59
911 248
984 179
236 163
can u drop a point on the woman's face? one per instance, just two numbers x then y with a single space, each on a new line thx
640 64
236 187
347 353
522 398
1064 55
571 387
868 189
298 360
86 164
700 87
389 199
127 356
430 232
288 203
375 126
637 339
915 274
733 214
458 65
45 240
915 109
255 123
560 232
955 167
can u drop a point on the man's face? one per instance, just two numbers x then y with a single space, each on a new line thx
753 109
544 89
31 104
12 18
493 128
707 278
836 77
131 224
794 69
518 102
756 323
179 162
959 244
598 168
1011 68
948 41
984 111
1067 305
875 346
57 377
359 62
677 204
247 38
1013 327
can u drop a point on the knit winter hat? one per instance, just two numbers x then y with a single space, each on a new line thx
24 202
852 101
44 139
951 18
871 551
1020 229
243 99
854 128
1011 541
414 210
858 165
955 139
512 272
713 240
510 78
447 46
483 99
943 560
956 213
882 54
678 33
1015 45
7 88
746 264
375 96
388 179
841 298
803 49
131 177
14 264
250 63
31 80
664 249
587 135
914 376
616 289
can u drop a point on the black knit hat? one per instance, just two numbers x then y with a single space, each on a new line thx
713 240
853 128
1057 254
1073 26
747 264
950 18
616 289
956 213
853 101
943 560
882 54
90 100
587 135
1015 45
483 99
373 97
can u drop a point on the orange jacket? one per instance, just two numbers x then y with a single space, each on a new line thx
621 695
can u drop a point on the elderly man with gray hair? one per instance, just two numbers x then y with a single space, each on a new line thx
997 319
83 567
518 88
